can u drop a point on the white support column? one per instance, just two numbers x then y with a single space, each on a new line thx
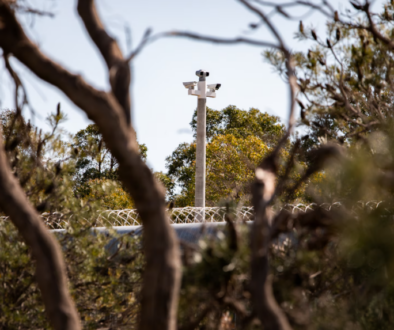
199 199
201 153
202 94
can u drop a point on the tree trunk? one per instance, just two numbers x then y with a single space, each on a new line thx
264 304
162 271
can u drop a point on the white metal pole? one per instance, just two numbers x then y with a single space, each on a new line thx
201 153
201 148
202 94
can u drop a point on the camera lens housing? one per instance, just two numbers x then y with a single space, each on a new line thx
202 73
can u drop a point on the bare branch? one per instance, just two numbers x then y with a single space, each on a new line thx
289 166
29 10
233 41
119 71
233 233
318 157
289 61
18 85
309 4
274 31
143 43
264 303
333 14
374 30
162 271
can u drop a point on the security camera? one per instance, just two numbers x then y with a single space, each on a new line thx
214 87
202 73
190 84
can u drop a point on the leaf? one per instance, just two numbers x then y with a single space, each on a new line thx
301 27
338 34
336 16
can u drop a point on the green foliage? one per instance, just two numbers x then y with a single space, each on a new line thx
181 167
41 161
345 84
357 263
109 193
238 140
167 182
231 163
347 92
21 304
212 270
241 124
104 275
94 160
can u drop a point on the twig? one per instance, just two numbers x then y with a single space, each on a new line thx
143 43
230 41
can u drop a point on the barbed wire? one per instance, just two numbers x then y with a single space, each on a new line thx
130 217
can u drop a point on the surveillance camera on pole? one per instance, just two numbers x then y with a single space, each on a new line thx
202 93
190 85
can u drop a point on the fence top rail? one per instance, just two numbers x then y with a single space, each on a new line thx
130 217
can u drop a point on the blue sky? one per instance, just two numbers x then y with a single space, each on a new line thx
162 110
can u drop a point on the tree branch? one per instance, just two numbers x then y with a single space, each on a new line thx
119 71
143 43
225 41
162 271
373 29
264 304
265 19
318 7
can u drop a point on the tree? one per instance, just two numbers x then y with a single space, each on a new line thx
343 256
345 81
96 168
231 164
41 161
325 267
50 268
111 112
346 92
109 193
241 124
89 186
230 169
235 133
94 160
167 182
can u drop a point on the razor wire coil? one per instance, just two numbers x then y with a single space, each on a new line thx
130 217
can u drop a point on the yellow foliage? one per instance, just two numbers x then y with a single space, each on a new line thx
231 162
109 194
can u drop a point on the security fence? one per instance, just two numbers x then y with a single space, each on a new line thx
130 217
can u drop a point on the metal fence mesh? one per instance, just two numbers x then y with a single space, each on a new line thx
130 217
